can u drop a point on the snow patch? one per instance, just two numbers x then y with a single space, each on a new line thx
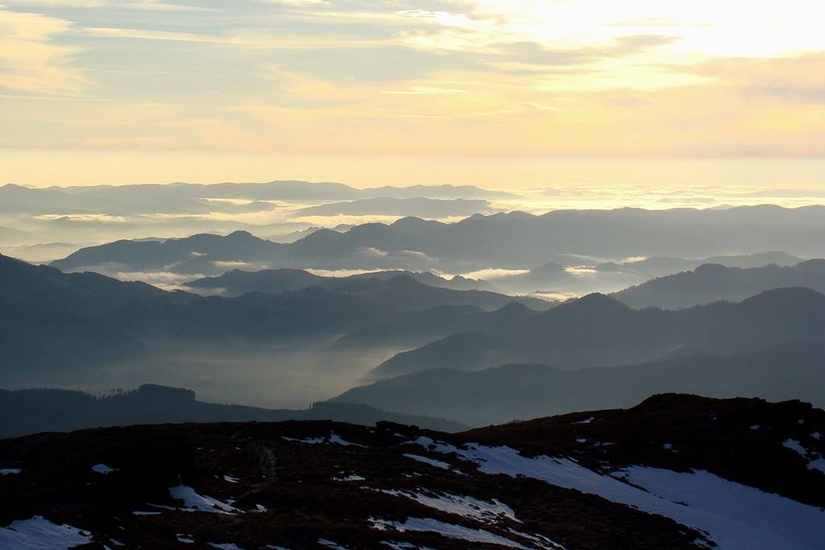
10 471
140 513
667 446
430 461
39 533
448 530
230 479
404 546
541 540
332 545
193 500
103 469
334 438
754 427
312 441
436 446
351 477
464 506
225 546
818 464
816 435
185 539
586 420
735 516
795 446
581 440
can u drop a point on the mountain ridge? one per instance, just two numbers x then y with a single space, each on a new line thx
647 478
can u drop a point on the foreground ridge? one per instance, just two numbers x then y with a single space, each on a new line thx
674 472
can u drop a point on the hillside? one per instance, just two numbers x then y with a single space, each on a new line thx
600 331
64 322
513 240
647 478
712 283
47 410
790 371
238 282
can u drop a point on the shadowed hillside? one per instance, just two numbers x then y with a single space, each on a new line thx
712 283
647 478
795 370
600 331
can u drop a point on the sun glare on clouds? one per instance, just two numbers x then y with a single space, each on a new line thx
446 78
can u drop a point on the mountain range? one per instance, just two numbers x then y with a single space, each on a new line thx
514 241
600 331
31 411
180 198
391 206
238 282
584 276
792 370
57 322
710 283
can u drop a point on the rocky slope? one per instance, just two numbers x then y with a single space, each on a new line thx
674 472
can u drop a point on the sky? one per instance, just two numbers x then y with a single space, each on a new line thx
505 94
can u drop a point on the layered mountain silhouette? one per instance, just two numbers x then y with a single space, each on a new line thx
48 410
435 323
238 282
391 206
181 198
712 283
558 276
54 320
196 254
793 370
600 331
647 478
514 240
399 291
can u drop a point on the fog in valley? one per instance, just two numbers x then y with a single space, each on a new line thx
230 291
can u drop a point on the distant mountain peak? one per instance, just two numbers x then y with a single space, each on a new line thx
711 268
412 222
513 308
596 303
788 296
404 280
242 235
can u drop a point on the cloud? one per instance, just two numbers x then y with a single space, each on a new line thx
424 90
370 253
31 60
341 273
493 273
246 266
436 79
144 5
82 218
297 3
581 271
157 278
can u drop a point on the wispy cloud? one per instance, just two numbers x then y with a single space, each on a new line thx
441 78
31 59
144 5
